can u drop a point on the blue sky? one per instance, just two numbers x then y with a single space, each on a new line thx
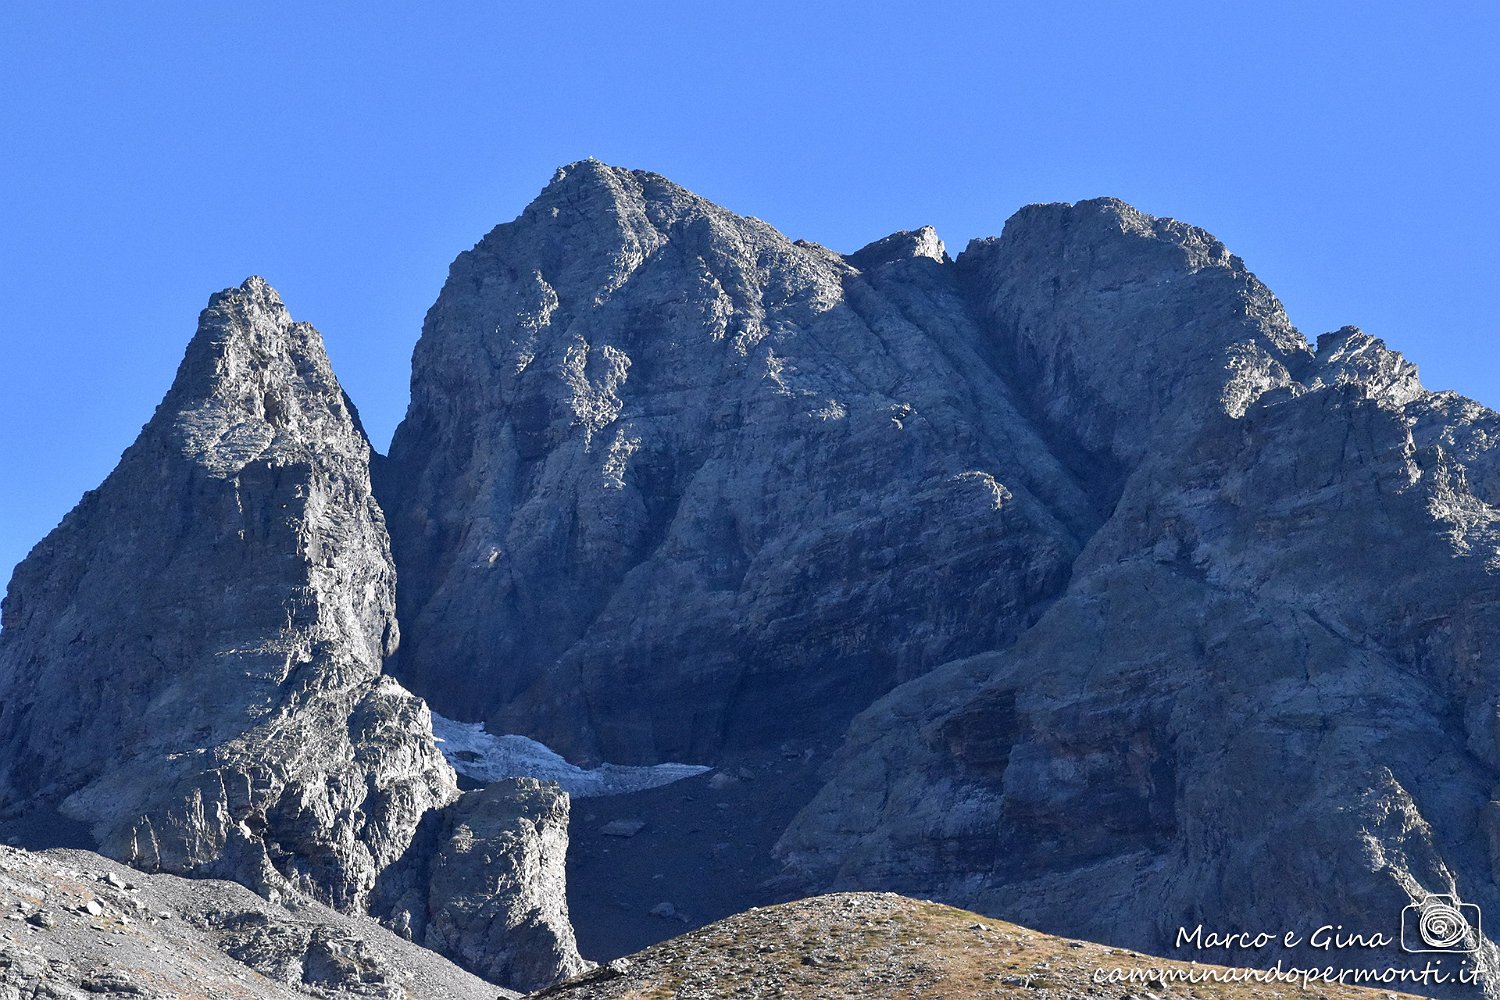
153 153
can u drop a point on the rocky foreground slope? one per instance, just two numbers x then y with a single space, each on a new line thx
76 925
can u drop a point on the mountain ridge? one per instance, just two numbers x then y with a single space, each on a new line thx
1103 411
1123 604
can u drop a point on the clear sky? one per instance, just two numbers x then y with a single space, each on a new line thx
153 153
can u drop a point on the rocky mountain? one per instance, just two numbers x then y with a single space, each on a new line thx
191 666
191 661
1065 581
1146 610
1267 695
671 483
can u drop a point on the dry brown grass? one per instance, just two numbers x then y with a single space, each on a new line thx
872 946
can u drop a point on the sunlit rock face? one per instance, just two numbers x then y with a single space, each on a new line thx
1267 696
1130 608
485 885
1146 610
672 483
191 662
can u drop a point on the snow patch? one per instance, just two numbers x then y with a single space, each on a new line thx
482 756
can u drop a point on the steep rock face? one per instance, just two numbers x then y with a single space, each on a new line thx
671 483
1267 698
485 884
1116 324
191 661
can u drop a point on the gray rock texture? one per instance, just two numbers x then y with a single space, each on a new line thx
485 884
1166 615
671 483
1267 698
1146 612
191 662
74 925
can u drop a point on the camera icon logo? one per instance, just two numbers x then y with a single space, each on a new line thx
1440 923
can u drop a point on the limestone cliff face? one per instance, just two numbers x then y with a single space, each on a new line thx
191 661
1146 611
1156 612
671 482
1123 330
485 884
1267 696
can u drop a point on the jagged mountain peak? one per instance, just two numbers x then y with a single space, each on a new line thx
1096 236
1080 549
593 225
679 377
255 383
623 331
910 244
1100 219
1121 324
588 188
192 661
1351 357
255 288
251 317
191 672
